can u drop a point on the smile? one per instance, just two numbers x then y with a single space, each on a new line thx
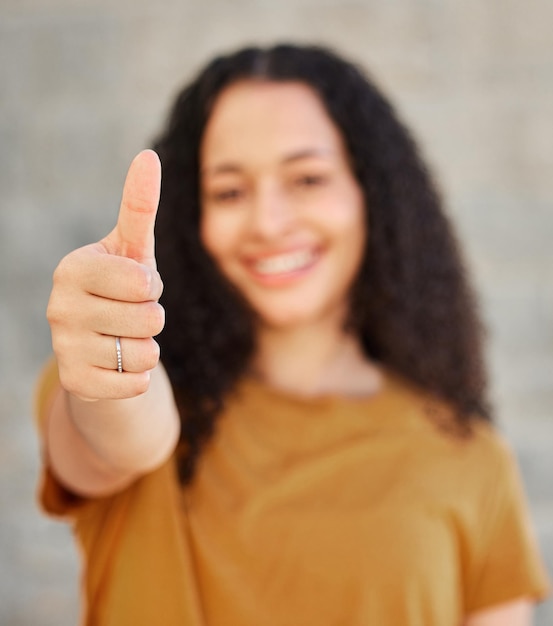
285 263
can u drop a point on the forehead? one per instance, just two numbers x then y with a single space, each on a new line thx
254 118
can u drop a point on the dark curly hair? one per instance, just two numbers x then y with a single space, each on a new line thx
411 304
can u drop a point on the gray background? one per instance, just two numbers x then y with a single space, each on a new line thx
84 85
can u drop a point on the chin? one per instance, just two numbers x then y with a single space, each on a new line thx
287 320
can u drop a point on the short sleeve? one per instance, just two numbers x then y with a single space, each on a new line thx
508 561
53 497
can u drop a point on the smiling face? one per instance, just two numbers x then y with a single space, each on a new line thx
282 213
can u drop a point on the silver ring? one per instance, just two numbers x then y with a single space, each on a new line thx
119 354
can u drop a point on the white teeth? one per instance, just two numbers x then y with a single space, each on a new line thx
284 263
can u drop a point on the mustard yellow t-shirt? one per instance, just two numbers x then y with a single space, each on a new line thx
328 511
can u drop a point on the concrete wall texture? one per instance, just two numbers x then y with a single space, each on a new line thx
84 85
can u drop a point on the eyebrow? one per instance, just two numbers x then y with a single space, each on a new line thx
306 154
232 168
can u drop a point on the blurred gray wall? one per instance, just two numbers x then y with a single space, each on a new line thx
84 85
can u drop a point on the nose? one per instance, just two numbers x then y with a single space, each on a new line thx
272 212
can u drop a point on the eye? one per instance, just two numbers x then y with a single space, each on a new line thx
226 196
311 180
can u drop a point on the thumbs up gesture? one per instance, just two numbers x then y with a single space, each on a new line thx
103 309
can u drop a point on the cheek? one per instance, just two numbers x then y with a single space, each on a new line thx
346 217
353 250
217 233
351 228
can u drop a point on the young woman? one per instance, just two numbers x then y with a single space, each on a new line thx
316 447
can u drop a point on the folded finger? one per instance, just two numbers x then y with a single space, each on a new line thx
137 355
137 320
120 278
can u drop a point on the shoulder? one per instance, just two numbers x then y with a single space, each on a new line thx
436 424
475 454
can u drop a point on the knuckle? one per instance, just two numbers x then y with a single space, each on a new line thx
59 315
145 284
140 384
58 344
57 312
141 285
61 272
54 309
158 286
146 355
52 312
151 356
66 295
68 267
68 353
71 382
156 319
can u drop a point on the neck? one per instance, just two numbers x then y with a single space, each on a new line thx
314 359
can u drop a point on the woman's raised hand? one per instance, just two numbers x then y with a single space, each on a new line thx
111 289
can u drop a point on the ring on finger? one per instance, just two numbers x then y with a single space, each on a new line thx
119 354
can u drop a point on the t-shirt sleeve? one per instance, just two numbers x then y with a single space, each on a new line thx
53 497
508 564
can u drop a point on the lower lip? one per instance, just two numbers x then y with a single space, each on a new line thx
286 278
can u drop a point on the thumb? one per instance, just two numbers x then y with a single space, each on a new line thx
133 235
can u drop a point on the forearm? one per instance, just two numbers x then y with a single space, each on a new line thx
96 448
